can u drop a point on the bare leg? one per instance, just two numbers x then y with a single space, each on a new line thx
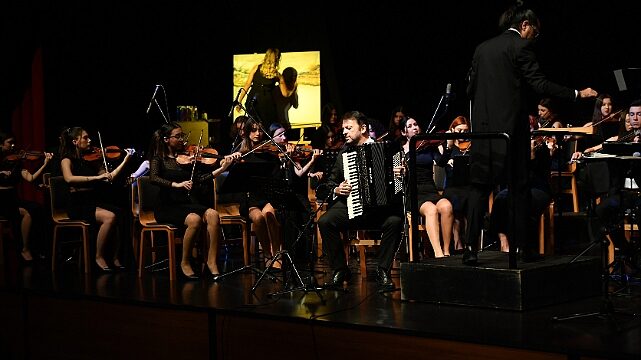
429 212
260 228
444 208
505 245
273 228
192 221
213 232
25 227
456 234
106 219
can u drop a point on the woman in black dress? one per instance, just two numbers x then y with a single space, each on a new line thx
178 206
262 80
85 179
433 207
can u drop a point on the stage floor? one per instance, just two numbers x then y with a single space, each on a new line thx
360 306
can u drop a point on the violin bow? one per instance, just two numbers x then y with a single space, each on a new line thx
102 149
193 168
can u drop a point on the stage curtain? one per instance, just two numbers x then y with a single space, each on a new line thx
28 123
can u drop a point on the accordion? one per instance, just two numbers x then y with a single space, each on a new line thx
369 170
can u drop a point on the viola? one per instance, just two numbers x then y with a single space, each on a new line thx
25 155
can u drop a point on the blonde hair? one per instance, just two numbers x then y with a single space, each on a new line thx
269 67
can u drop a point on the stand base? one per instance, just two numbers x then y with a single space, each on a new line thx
493 285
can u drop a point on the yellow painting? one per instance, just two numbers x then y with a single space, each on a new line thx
307 64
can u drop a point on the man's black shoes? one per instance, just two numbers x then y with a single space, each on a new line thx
470 256
383 279
340 275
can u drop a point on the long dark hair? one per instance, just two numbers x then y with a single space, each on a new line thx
67 148
158 145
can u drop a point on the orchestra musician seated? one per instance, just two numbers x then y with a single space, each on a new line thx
84 170
434 208
336 219
257 206
27 216
178 205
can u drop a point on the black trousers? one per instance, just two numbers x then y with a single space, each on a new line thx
336 220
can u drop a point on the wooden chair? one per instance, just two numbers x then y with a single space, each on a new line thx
230 215
135 213
362 240
569 173
148 194
59 196
546 231
319 208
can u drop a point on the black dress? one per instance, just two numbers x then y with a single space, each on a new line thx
263 109
426 187
84 198
176 204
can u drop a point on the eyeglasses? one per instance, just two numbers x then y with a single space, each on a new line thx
177 136
638 114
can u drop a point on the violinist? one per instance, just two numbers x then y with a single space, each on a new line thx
22 214
177 206
455 189
257 207
611 206
83 169
433 207
295 175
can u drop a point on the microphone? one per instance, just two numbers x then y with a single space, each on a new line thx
233 105
448 91
152 98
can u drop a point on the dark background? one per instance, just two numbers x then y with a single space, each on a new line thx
102 59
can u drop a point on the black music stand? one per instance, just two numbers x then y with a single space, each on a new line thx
241 178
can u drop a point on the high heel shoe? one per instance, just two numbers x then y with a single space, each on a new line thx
106 269
211 275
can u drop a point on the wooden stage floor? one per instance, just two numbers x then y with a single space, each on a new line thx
69 315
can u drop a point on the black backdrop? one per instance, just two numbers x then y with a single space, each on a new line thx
103 58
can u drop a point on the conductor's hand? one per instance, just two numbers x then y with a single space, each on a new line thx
183 185
587 93
343 189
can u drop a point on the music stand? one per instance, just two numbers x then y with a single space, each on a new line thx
241 178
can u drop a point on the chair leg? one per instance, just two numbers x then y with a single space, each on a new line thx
54 248
575 196
141 253
85 249
1 243
363 261
246 250
172 255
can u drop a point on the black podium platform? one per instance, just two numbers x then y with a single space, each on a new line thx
493 285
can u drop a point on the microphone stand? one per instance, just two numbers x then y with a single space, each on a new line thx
430 127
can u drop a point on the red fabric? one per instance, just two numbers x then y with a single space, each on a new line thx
28 122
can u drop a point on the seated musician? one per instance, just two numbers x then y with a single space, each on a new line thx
433 207
336 219
455 189
177 204
539 184
22 214
86 175
611 207
258 207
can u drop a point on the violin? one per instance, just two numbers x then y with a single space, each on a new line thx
206 156
25 155
303 152
464 145
111 153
